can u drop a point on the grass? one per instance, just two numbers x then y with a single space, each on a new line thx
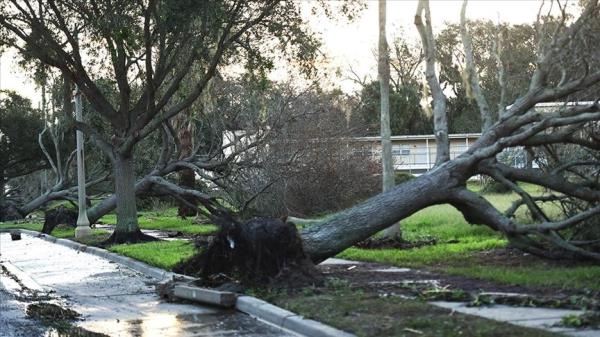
423 256
32 226
61 232
577 277
458 244
370 315
162 254
167 221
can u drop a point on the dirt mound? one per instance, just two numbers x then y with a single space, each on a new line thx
258 252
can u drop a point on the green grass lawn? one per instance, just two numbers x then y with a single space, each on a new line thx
32 226
459 242
561 277
168 221
62 233
162 254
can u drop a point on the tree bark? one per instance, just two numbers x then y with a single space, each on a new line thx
109 204
124 175
187 177
472 75
2 187
358 223
387 162
440 117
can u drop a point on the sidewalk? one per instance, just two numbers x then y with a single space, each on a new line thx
115 300
531 317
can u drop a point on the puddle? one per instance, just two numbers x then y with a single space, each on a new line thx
188 325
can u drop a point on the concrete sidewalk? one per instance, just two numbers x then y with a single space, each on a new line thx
539 318
115 300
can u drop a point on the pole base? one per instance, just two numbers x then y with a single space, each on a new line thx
82 231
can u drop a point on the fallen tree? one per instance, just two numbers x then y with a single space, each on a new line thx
566 71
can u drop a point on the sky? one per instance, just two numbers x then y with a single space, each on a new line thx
348 44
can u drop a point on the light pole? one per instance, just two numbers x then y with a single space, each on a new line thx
83 224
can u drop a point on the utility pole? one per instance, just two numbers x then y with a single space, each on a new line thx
83 223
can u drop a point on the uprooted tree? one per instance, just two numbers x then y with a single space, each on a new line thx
566 70
148 50
560 136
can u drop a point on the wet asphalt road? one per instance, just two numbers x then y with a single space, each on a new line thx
111 299
13 322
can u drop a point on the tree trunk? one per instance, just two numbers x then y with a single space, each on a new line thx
440 117
360 222
109 204
127 227
2 187
187 177
386 144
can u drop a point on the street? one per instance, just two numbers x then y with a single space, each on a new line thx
111 299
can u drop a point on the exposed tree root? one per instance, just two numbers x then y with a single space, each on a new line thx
59 216
258 252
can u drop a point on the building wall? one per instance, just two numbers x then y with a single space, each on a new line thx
417 155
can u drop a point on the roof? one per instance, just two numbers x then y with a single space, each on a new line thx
418 137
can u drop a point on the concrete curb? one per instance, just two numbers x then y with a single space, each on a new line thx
286 319
252 306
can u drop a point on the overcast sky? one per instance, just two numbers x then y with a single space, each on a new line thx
349 44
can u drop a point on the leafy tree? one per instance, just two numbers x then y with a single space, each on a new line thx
19 150
564 70
514 45
406 115
146 51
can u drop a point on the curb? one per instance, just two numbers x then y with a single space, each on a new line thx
286 319
252 306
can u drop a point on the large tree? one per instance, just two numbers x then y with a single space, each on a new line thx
565 70
147 50
19 151
387 161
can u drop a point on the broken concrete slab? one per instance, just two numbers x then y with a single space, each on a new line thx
206 296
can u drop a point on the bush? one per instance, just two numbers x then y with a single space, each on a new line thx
311 165
402 177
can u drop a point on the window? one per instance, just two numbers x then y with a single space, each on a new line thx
403 150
